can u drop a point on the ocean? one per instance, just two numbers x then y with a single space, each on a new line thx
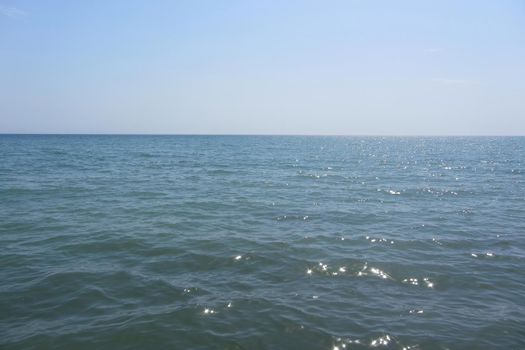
262 242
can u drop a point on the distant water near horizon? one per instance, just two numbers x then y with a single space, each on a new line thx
262 242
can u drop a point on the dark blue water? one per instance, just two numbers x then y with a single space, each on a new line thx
225 242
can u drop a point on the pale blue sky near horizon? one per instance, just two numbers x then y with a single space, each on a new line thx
263 67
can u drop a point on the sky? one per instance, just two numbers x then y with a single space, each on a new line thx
362 67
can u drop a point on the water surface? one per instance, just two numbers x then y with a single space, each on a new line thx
230 242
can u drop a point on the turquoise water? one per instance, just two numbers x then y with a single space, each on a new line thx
228 242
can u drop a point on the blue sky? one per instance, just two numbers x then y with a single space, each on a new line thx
263 67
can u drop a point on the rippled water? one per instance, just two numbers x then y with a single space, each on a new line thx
225 242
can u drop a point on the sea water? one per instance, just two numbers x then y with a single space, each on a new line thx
262 242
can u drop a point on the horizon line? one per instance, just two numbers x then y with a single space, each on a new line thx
254 134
